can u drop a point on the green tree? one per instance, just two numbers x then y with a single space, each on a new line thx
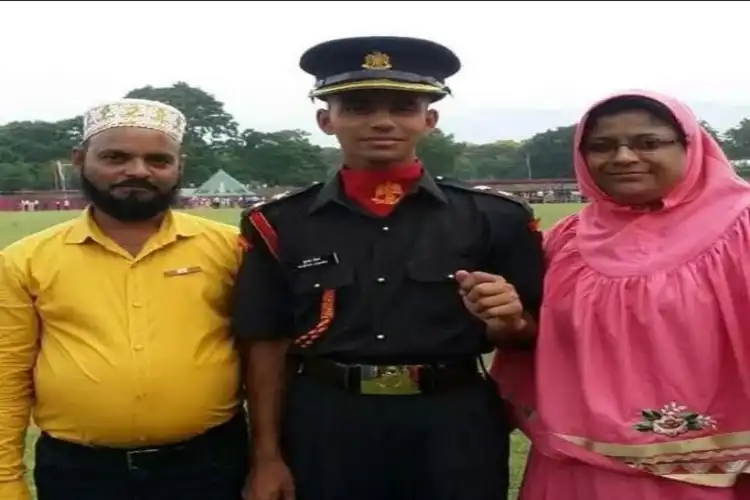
496 160
549 155
34 145
713 132
737 141
16 177
285 158
440 153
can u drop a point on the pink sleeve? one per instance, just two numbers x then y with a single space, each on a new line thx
513 370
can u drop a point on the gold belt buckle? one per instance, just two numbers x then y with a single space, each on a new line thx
388 381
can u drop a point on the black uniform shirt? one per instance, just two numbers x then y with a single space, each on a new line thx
395 298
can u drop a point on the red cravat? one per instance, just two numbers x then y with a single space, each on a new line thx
379 190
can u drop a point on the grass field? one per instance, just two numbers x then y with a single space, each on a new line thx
15 225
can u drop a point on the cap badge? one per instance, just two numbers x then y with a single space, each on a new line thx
377 60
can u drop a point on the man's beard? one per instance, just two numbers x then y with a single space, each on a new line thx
130 208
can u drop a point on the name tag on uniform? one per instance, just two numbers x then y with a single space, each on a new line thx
325 260
182 271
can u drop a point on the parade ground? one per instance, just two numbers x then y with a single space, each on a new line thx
16 225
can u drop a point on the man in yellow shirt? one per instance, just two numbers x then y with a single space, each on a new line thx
114 332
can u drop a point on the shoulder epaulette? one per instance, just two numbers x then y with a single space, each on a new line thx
484 190
277 198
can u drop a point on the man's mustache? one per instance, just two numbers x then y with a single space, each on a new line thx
135 184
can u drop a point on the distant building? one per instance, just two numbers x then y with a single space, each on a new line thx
520 186
535 190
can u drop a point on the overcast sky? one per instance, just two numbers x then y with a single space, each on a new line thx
59 58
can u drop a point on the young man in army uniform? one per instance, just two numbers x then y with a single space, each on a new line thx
361 301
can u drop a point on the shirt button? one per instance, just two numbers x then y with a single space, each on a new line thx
451 276
380 336
381 280
316 285
138 347
137 304
386 228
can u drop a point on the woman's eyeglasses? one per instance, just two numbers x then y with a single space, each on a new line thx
637 144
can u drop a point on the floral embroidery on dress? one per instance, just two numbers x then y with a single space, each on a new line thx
672 420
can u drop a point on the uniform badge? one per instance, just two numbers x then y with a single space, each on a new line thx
387 193
323 260
377 60
182 271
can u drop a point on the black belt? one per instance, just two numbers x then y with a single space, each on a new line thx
390 380
145 458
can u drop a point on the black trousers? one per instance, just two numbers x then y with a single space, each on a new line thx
212 466
344 446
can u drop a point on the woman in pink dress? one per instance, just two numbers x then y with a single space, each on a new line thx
639 388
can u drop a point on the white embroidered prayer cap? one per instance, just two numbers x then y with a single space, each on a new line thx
139 113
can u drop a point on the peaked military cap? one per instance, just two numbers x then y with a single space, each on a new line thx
380 62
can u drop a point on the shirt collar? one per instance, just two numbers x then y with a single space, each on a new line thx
175 225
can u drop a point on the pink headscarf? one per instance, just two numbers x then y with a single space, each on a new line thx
619 240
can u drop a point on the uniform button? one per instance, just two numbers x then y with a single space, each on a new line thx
138 347
316 285
451 276
137 304
381 280
386 228
380 336
439 178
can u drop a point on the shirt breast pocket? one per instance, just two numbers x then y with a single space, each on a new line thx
433 289
319 293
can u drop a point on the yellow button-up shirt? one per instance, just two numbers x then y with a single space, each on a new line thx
113 350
